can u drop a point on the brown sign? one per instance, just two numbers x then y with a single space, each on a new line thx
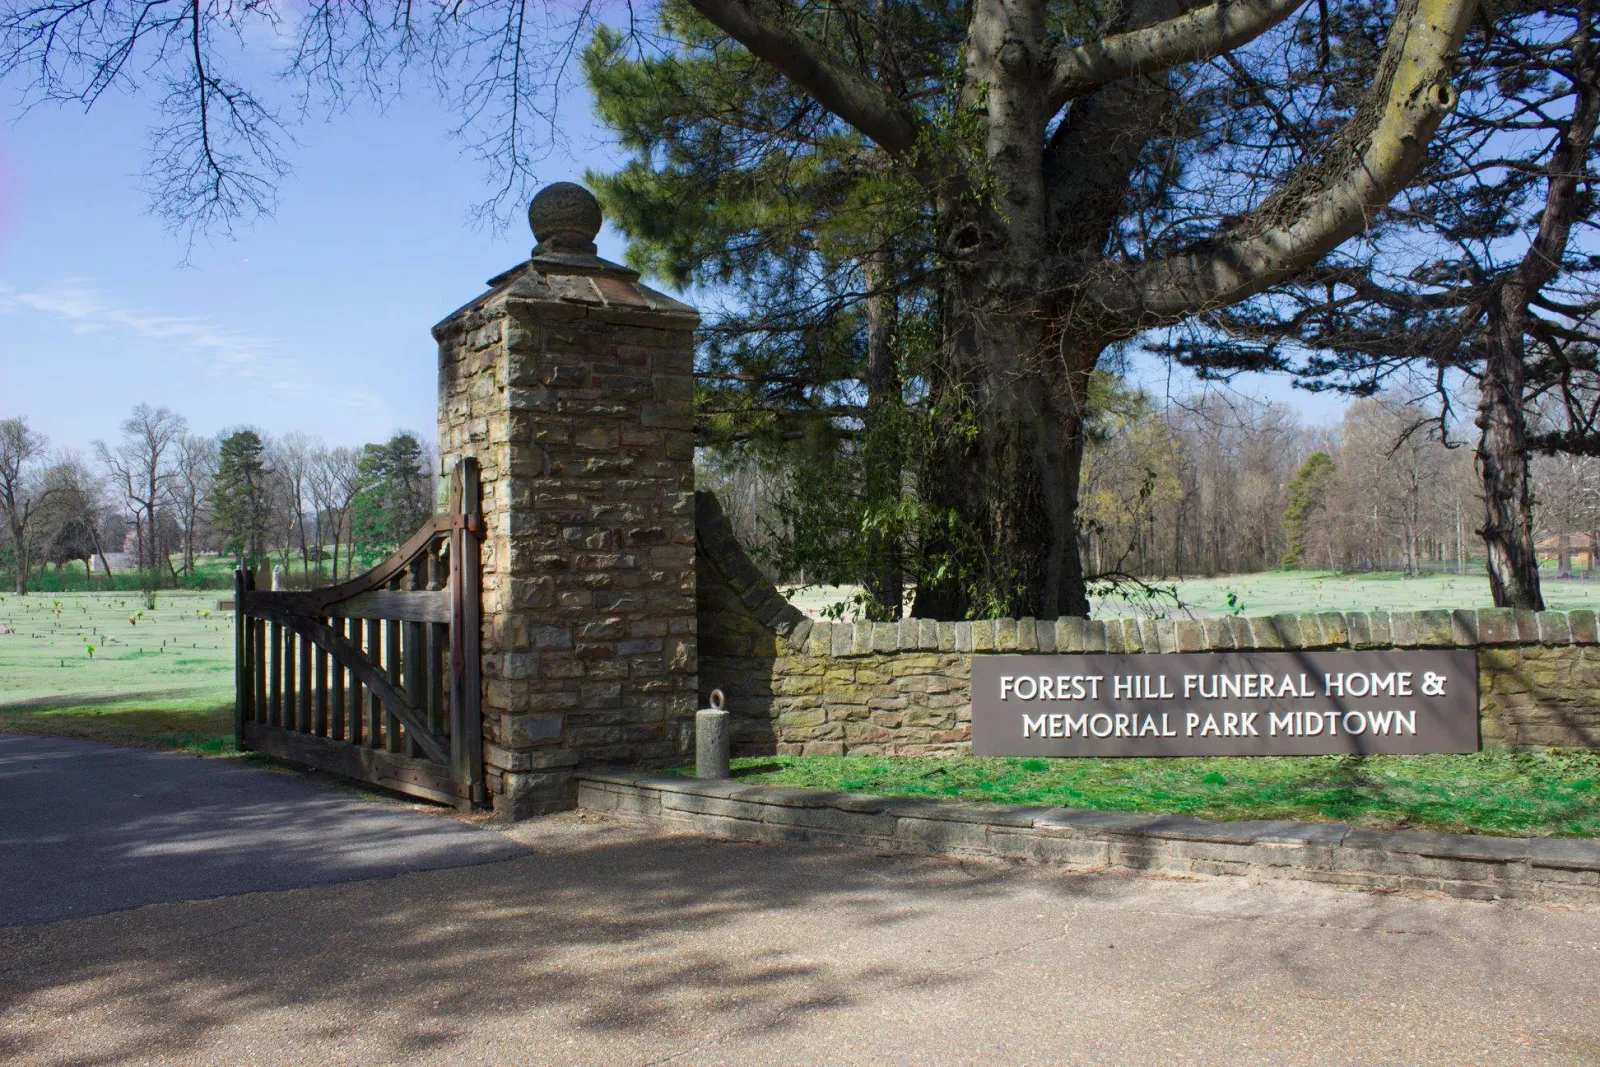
1225 704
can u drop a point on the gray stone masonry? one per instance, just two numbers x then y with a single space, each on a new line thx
572 384
801 686
1484 868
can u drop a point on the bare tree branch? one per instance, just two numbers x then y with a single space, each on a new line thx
1190 37
1327 201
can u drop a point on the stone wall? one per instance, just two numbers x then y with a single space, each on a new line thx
798 686
1480 867
571 383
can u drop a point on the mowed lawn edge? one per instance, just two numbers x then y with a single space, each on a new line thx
1271 592
1542 793
104 666
203 727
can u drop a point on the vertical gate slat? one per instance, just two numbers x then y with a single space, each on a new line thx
306 696
353 721
374 705
411 675
414 657
258 636
336 729
291 703
290 712
436 636
391 662
275 705
319 724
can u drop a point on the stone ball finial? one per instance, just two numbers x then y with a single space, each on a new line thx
565 217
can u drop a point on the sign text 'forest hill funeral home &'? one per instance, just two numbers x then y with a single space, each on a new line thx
1225 704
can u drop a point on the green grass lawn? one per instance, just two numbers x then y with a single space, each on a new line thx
1269 592
165 677
1520 794
210 572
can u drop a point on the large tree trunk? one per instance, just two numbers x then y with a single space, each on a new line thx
138 535
885 574
1010 489
100 551
20 539
1502 459
1011 486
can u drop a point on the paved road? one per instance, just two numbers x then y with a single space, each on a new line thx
605 945
88 828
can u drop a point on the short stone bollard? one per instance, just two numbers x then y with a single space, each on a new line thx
711 740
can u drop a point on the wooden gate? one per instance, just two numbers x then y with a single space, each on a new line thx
376 678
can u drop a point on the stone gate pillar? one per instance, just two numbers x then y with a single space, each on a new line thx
571 384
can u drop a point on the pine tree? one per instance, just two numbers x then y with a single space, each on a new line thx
393 501
239 497
1057 180
815 252
1307 494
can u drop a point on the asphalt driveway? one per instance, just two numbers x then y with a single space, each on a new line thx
87 828
594 942
618 947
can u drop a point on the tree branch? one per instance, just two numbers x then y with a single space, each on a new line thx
1190 37
1325 201
763 29
1566 169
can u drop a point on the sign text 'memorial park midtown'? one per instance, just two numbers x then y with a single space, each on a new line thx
1225 704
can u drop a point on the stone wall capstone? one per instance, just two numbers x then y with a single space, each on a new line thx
808 687
572 385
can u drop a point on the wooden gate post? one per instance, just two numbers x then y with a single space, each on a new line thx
571 386
466 676
243 656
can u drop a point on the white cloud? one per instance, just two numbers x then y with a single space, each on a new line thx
210 346
216 374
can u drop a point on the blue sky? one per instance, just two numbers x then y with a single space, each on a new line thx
315 319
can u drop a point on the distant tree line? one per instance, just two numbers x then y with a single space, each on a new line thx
1222 485
1217 483
169 497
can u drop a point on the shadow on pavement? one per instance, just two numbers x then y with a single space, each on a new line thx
88 828
602 943
615 931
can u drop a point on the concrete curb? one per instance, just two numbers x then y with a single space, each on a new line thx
1556 870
